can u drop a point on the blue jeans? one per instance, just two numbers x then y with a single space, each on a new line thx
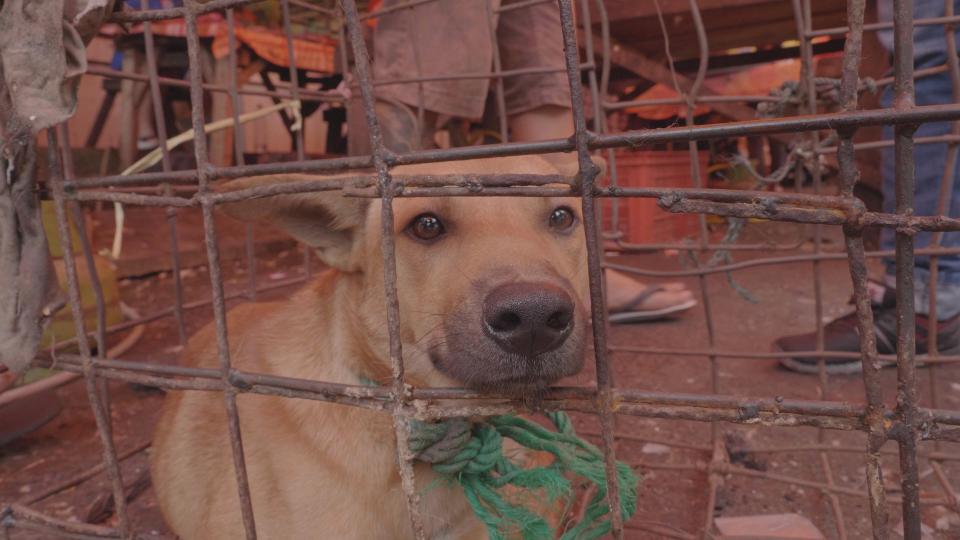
930 161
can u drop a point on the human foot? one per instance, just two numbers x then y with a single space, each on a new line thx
629 300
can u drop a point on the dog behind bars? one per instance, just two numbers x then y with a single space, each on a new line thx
493 296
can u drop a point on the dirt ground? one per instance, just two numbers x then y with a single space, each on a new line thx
673 497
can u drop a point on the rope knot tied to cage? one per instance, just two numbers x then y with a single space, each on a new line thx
472 455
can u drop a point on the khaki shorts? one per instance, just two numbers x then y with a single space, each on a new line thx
453 37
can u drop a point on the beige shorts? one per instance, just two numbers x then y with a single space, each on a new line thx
454 37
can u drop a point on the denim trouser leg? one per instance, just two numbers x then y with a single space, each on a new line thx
930 161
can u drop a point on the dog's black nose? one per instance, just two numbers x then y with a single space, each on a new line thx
528 318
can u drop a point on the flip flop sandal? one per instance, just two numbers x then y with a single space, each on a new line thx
630 314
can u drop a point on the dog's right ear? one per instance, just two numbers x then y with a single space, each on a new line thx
327 221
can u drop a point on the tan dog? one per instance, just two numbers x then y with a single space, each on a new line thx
493 295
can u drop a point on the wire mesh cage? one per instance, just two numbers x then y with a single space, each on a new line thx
914 419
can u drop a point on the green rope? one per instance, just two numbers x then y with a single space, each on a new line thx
472 455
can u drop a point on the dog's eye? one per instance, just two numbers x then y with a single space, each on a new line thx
562 219
426 227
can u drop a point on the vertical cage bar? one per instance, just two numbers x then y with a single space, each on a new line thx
170 212
294 77
497 67
110 461
345 81
588 172
856 257
603 126
421 109
216 277
690 98
598 123
234 86
76 213
236 105
592 72
380 156
876 411
69 173
804 19
905 187
944 200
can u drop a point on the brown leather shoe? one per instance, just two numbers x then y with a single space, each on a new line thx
843 335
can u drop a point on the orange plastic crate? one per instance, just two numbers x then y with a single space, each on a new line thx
641 221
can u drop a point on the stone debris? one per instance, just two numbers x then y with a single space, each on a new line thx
655 448
772 526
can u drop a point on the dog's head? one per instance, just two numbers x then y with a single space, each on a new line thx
492 290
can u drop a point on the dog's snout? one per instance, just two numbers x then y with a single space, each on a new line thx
528 318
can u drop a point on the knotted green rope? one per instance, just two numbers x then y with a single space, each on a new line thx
471 454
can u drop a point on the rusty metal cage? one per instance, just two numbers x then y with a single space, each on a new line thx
906 422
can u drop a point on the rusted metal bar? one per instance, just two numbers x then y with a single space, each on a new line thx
635 61
31 520
166 312
630 139
294 78
73 290
497 68
604 90
238 149
76 216
180 12
430 403
383 11
478 75
216 279
689 90
853 238
171 212
677 201
234 89
639 103
841 30
306 95
520 5
313 7
587 174
884 359
944 199
905 186
768 261
382 167
804 20
885 143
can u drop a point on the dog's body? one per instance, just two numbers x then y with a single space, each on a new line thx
322 470
312 466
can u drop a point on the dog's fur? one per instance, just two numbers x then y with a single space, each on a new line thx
322 470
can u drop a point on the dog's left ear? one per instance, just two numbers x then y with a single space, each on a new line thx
327 221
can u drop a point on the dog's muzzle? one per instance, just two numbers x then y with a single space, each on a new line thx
526 337
528 319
